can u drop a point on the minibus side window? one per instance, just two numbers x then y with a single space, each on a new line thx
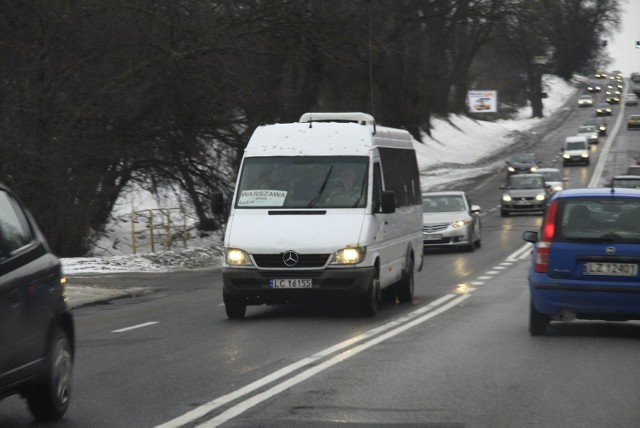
377 187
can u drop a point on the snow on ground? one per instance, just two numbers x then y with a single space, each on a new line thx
459 148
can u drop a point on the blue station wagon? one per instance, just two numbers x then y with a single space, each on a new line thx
585 258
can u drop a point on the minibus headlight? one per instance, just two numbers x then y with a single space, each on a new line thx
237 257
348 256
506 197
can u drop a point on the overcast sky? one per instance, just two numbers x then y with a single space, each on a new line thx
622 47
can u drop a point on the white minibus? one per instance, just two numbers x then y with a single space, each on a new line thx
328 208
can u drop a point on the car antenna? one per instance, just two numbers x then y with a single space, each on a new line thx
310 120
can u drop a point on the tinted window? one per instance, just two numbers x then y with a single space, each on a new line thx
523 182
14 227
599 219
444 203
400 173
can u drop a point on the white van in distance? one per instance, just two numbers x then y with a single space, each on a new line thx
575 150
328 208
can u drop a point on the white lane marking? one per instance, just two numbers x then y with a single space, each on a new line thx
520 254
491 272
133 327
201 411
258 398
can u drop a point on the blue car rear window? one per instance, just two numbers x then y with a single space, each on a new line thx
615 220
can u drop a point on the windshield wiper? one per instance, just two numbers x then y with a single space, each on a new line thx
316 198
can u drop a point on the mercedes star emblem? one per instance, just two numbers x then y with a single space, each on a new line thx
290 258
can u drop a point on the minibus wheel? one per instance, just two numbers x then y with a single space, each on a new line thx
236 308
369 301
404 288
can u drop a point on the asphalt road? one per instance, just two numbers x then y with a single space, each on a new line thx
460 355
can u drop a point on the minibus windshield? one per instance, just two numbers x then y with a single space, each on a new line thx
303 182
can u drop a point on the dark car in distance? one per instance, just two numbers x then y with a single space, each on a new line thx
586 257
37 339
522 163
599 123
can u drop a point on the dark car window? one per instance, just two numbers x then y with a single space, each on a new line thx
14 228
524 158
600 219
441 204
522 182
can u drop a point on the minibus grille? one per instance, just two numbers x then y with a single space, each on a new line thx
304 261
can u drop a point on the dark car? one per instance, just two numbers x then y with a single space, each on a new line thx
603 110
626 181
37 339
599 123
524 193
522 163
585 259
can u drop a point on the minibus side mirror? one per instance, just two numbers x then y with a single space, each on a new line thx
388 201
217 203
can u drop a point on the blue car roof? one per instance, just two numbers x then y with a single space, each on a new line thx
599 192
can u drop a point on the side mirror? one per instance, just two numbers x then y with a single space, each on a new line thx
217 203
475 209
388 204
530 236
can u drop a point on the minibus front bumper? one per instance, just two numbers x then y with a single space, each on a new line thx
257 286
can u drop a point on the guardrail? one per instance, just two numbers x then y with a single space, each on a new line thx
161 227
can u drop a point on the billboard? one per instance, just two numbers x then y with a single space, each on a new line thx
482 101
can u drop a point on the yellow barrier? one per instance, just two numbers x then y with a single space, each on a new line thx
162 224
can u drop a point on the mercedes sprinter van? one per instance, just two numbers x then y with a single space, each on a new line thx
328 208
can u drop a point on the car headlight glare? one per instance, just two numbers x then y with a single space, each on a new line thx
459 223
349 256
566 156
534 168
557 188
585 155
541 197
506 197
237 257
511 169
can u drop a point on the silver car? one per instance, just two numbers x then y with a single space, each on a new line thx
553 178
589 132
524 193
449 219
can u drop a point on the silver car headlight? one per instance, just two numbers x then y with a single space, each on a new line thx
533 168
237 257
566 156
541 197
511 169
557 188
460 223
506 197
585 155
594 136
349 256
